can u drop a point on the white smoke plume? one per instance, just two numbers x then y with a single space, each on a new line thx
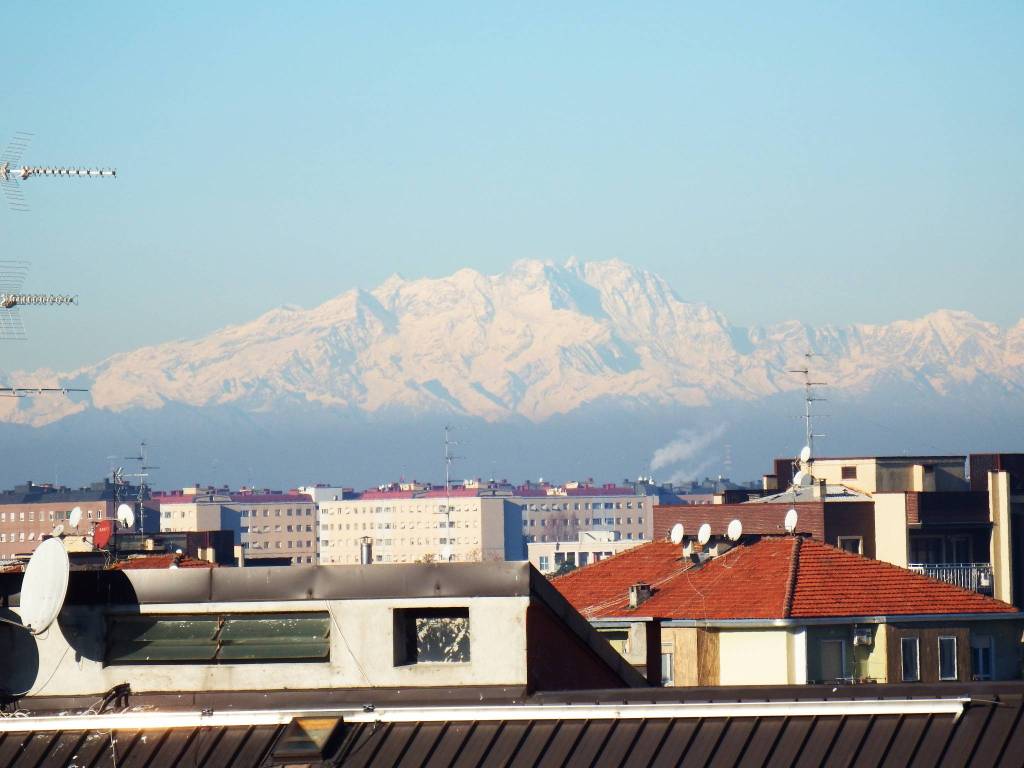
685 447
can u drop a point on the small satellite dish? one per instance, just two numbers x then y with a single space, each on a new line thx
798 478
676 535
735 530
791 519
75 517
805 454
44 586
125 516
704 534
58 530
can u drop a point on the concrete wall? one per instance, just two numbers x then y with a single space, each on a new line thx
362 652
754 657
891 528
1001 542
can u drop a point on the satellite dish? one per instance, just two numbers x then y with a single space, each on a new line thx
75 517
704 534
44 586
58 530
791 519
676 535
798 478
735 530
125 516
805 454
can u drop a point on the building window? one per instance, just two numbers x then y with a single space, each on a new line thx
544 563
849 473
218 638
852 544
431 635
947 658
910 660
981 657
666 667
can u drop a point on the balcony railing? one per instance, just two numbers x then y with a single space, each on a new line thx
976 577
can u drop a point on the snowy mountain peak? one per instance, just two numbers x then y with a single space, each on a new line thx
539 340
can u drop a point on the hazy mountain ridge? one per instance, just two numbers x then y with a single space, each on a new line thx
537 341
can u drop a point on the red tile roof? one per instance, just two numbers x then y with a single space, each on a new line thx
776 578
160 561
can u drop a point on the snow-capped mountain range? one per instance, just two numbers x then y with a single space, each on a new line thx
537 341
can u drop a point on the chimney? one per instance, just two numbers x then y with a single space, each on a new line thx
366 550
638 593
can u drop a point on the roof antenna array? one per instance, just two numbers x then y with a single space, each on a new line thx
12 278
449 460
803 475
12 170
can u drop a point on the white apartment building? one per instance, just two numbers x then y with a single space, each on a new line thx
589 547
561 513
421 525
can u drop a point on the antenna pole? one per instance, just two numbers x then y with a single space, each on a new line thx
449 459
809 398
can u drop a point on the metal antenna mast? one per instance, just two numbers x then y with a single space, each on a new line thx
449 460
809 398
142 475
12 170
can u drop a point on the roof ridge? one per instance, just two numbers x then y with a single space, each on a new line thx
794 570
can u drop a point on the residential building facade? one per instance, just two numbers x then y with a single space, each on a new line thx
589 547
268 525
791 610
29 512
421 524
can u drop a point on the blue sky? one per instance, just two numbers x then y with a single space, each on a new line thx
828 163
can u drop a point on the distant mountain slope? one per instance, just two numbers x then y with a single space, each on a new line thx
536 342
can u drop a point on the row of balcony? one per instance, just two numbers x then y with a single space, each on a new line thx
976 577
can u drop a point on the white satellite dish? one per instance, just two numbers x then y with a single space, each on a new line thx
704 534
735 530
676 535
805 454
791 519
798 478
125 516
75 517
58 530
44 586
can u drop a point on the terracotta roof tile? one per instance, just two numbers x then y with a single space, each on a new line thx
160 561
774 578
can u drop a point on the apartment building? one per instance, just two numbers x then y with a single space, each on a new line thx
590 547
30 511
926 513
562 512
411 522
268 525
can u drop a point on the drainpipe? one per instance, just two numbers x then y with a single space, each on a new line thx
366 550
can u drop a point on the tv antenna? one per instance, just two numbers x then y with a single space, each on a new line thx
121 482
809 399
13 171
29 391
449 460
12 278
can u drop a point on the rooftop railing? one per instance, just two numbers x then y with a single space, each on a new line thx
976 577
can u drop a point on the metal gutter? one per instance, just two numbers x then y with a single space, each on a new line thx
151 720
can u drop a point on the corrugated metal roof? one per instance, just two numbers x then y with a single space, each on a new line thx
988 733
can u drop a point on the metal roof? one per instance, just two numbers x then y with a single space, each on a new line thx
871 725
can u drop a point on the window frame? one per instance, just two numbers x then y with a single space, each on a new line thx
858 539
956 661
990 646
917 659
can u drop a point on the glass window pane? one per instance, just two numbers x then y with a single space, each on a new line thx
947 658
910 666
